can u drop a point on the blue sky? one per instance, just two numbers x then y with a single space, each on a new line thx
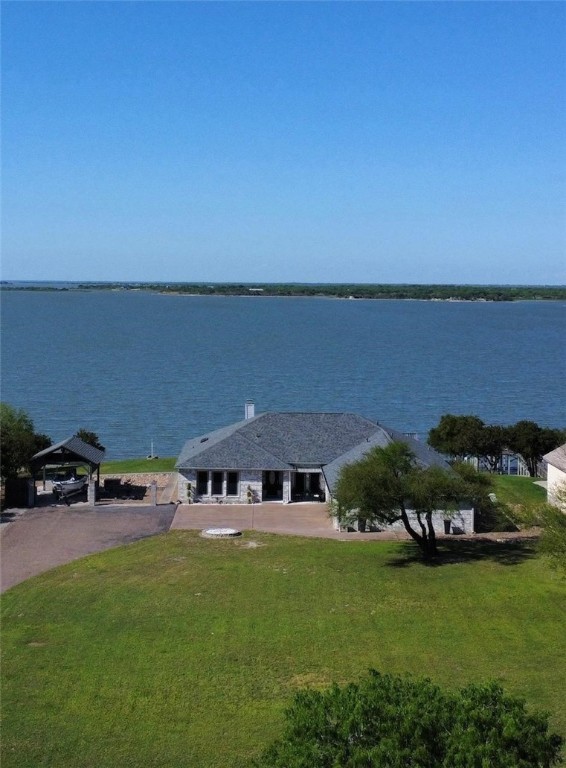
295 141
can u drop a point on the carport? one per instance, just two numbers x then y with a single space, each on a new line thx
72 453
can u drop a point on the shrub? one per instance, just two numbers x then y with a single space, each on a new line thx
387 721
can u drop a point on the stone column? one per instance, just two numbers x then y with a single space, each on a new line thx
153 493
91 492
287 487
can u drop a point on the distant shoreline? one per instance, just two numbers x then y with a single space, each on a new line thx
347 291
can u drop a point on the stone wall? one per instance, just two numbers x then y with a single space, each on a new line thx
461 521
138 480
141 478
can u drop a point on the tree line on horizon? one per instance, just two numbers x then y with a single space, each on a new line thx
423 292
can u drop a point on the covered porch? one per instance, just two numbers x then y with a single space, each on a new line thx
302 484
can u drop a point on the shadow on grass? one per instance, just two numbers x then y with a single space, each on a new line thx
507 552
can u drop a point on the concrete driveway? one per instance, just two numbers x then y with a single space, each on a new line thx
40 539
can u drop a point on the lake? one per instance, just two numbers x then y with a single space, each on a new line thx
135 366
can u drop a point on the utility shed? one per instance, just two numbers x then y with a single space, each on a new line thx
70 453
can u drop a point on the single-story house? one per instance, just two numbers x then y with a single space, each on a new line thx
556 472
288 457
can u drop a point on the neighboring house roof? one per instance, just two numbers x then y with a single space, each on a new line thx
557 457
73 448
283 441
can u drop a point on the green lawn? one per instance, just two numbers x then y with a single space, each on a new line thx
182 651
138 465
510 489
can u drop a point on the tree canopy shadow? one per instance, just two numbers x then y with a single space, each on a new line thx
504 552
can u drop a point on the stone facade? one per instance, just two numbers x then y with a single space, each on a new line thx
461 521
250 488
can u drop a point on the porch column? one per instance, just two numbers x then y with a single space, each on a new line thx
287 487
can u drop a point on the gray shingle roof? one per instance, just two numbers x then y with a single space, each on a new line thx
557 457
72 445
282 441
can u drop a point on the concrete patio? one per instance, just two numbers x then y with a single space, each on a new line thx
309 519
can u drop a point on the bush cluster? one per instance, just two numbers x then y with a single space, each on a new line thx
387 721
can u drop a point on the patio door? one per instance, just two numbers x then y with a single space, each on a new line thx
307 486
272 486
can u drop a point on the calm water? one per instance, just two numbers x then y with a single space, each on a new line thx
136 367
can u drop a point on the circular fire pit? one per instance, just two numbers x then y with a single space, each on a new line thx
220 533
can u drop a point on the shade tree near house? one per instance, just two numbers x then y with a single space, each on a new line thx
456 436
386 721
463 436
531 442
20 441
388 485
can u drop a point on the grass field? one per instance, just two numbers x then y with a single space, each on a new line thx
512 490
182 651
124 466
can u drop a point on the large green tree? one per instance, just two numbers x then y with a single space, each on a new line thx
462 436
387 721
531 442
491 442
19 440
457 436
388 485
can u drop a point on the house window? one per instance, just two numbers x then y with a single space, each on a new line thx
232 484
202 483
217 483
